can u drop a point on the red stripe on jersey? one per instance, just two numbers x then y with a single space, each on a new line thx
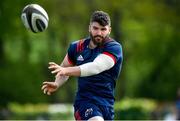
77 116
80 46
69 60
110 55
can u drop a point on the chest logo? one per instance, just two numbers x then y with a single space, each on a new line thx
80 58
88 112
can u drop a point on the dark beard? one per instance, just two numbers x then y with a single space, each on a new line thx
93 38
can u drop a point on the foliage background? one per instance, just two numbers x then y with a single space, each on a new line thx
149 31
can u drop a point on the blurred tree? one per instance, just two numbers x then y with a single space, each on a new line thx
151 43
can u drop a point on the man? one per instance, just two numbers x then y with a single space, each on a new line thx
96 61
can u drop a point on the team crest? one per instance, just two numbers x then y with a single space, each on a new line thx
88 112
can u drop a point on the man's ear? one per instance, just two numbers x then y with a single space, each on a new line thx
109 30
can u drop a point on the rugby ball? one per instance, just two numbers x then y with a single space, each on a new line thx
34 18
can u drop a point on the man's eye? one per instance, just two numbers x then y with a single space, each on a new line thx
103 29
95 28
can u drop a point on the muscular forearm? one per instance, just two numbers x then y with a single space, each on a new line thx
72 71
100 64
60 80
69 69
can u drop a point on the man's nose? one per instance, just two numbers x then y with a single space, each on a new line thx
98 32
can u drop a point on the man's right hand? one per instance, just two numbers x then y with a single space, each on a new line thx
49 87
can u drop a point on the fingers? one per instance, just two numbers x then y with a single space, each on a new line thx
45 90
43 87
56 70
53 66
45 84
49 87
52 63
57 75
48 93
46 87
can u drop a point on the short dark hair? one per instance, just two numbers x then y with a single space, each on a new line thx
101 17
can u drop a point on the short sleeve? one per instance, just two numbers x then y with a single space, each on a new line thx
72 53
114 50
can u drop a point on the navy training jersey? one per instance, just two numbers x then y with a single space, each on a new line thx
98 88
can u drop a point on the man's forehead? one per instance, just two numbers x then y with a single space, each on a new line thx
96 24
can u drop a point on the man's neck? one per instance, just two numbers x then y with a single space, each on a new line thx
92 45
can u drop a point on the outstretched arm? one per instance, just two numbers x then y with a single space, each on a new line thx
101 63
50 87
